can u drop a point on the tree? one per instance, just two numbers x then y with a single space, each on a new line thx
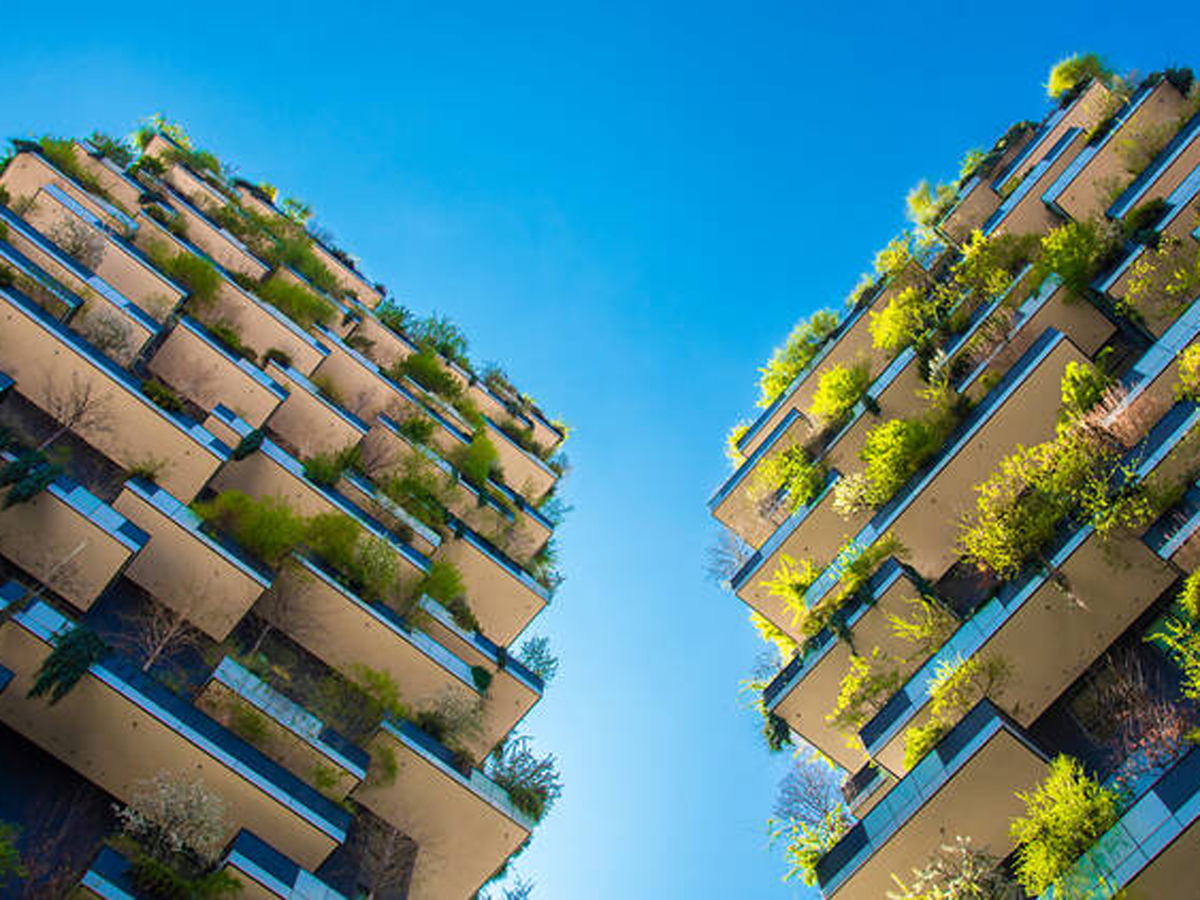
1073 71
77 406
533 783
535 655
958 871
74 652
156 633
789 360
808 793
171 814
385 856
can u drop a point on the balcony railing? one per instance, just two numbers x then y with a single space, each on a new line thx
1179 144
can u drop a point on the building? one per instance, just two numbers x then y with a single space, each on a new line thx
967 515
267 538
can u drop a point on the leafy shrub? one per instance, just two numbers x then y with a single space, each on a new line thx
169 814
791 472
790 581
1189 373
61 154
268 529
838 390
865 688
231 339
930 626
1083 387
443 336
927 204
732 452
399 319
114 149
68 662
250 442
1064 816
163 396
195 273
482 678
959 872
297 302
906 317
29 474
1167 276
326 468
426 369
1075 70
807 844
1079 251
533 783
476 461
793 357
957 686
417 428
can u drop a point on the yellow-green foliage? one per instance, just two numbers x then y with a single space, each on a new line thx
776 637
1189 373
808 843
1189 597
1064 816
789 582
791 359
1083 386
928 628
839 388
1074 70
865 688
296 302
957 685
732 453
1077 251
895 257
903 320
1168 276
792 471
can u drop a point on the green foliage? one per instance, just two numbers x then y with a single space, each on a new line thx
839 388
268 529
957 685
159 880
116 150
793 357
808 843
476 461
928 628
195 273
907 316
229 337
971 160
927 204
417 428
384 765
959 872
1077 252
380 692
1083 386
732 453
296 302
1166 277
280 357
790 581
326 468
247 722
1064 816
443 583
29 474
418 488
1189 373
1073 71
426 368
10 854
790 471
444 336
61 154
250 442
865 688
535 655
482 678
399 319
533 783
163 396
894 258
68 662
988 264
1189 597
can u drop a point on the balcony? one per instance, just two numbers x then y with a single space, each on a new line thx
504 597
850 343
1176 536
292 736
350 279
57 370
1165 173
210 583
978 199
111 177
202 194
966 785
1022 211
1048 637
805 691
308 419
193 362
464 824
58 276
1151 851
529 475
1022 408
1077 193
363 494
344 318
30 172
214 240
893 393
117 727
259 325
263 871
118 262
69 539
1150 383
1178 222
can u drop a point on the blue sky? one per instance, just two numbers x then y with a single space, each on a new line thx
628 205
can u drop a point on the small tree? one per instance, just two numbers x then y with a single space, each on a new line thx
535 655
1073 71
807 844
76 406
808 793
1064 816
171 814
958 871
533 783
73 653
156 633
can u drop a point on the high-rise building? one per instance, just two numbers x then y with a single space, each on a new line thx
266 544
967 516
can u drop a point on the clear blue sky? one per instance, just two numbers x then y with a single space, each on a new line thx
628 206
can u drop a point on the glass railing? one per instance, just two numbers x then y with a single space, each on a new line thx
494 652
1150 824
195 431
1133 194
1177 526
175 713
887 515
1160 357
1030 181
274 872
911 792
393 508
30 269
